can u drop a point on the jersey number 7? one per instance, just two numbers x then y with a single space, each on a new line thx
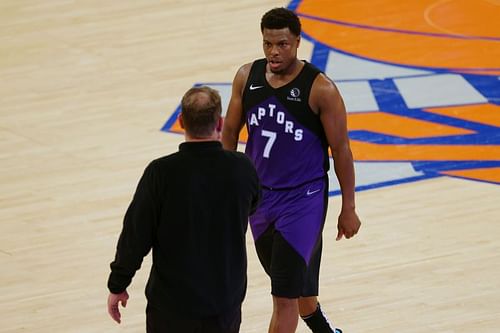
271 137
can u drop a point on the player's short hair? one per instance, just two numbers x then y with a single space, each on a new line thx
280 18
201 110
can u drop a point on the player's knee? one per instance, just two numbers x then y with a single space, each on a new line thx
284 305
307 305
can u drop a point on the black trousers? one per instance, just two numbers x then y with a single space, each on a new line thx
160 321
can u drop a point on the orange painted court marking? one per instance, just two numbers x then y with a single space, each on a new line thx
364 151
456 17
176 127
465 18
389 124
485 174
478 72
488 114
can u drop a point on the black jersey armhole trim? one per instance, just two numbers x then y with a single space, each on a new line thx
253 76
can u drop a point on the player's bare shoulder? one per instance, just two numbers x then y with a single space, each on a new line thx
323 92
241 77
244 70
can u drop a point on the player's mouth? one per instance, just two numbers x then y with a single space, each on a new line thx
274 64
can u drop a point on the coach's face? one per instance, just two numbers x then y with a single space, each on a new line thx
280 48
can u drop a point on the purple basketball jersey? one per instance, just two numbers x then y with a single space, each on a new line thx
285 153
286 139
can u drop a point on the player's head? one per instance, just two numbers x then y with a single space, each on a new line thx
280 29
201 112
281 18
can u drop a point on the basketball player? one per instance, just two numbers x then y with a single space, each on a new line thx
192 209
293 113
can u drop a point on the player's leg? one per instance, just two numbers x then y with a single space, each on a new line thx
316 319
264 248
309 308
285 316
285 309
287 271
307 305
262 227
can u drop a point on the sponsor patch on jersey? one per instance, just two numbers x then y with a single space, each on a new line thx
294 95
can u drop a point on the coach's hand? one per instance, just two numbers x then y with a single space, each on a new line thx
113 300
348 224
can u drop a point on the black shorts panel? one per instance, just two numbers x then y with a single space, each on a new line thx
290 276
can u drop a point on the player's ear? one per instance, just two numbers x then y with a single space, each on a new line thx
298 41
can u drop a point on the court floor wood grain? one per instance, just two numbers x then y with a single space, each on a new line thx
85 87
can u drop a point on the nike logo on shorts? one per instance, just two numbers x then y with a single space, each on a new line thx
252 87
309 192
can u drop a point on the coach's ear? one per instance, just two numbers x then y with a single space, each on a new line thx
220 123
181 122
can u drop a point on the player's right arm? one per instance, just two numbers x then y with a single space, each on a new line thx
234 120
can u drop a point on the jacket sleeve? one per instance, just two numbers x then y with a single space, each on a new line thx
137 234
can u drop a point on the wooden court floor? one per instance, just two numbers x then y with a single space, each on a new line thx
85 87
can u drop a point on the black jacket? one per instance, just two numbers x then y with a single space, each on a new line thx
192 209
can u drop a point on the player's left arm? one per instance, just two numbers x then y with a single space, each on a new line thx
326 99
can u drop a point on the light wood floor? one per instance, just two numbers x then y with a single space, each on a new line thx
85 87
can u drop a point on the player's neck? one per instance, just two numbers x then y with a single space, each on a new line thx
277 80
291 70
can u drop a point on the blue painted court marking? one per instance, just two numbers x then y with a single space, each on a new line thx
171 120
391 101
488 86
389 183
387 95
461 140
294 4
438 166
320 55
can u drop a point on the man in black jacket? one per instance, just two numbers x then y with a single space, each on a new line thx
191 208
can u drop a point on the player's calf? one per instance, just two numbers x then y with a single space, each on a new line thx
318 322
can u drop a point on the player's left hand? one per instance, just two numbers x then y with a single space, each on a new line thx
348 224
